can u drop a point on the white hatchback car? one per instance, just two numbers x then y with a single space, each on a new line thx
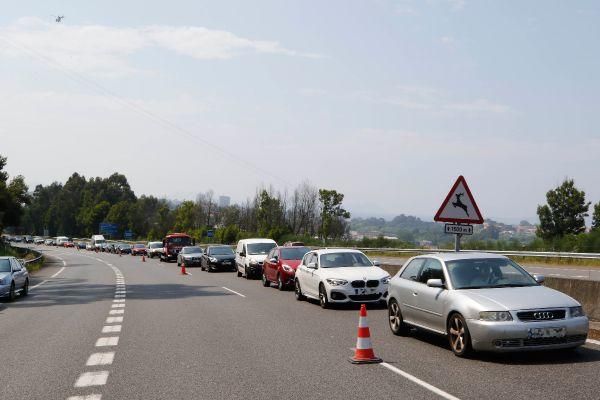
340 276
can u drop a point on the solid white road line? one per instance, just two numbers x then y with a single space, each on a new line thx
592 341
88 397
96 378
233 291
107 341
419 382
112 320
46 280
111 328
101 359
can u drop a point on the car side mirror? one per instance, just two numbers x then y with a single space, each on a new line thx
312 265
376 263
539 278
242 254
435 283
273 260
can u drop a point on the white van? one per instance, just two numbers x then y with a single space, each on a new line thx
61 240
250 255
97 242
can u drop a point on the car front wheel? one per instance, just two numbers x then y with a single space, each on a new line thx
323 301
280 284
458 335
25 290
11 292
265 281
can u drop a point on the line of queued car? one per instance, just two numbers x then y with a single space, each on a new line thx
479 301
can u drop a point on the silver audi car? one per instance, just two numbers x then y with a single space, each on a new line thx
483 302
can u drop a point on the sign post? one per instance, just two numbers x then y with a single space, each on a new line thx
460 210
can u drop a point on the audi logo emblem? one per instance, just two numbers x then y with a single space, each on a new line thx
543 315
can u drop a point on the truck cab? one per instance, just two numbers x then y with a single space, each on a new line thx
172 245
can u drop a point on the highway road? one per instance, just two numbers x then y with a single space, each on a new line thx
559 271
100 326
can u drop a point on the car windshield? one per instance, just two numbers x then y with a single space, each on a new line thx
484 273
189 250
344 259
155 245
100 241
4 265
221 251
125 246
260 248
293 253
180 240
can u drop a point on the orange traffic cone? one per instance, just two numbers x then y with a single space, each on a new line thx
363 353
183 269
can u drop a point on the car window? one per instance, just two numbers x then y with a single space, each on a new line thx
312 257
412 269
16 265
432 269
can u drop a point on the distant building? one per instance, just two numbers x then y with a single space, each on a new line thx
224 201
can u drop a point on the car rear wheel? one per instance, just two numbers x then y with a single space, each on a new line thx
458 335
25 290
265 281
396 320
298 291
323 301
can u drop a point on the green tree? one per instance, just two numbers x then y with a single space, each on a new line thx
596 218
13 197
565 212
332 214
120 214
186 217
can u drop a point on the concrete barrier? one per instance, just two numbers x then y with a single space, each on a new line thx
585 292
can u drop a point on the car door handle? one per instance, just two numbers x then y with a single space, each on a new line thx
415 294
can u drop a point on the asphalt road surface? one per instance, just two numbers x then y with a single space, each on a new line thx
559 271
100 326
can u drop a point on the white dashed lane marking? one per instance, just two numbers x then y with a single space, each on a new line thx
107 341
113 312
88 397
233 291
96 378
118 305
114 320
101 359
111 328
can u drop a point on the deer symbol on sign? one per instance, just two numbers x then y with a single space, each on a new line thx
459 203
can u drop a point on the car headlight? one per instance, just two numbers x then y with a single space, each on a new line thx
386 280
336 282
212 259
495 316
287 268
576 312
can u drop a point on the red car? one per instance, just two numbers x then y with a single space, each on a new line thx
280 265
139 249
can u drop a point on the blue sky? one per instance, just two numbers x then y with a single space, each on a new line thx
385 101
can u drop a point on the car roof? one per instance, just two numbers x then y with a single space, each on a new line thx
334 250
256 240
461 255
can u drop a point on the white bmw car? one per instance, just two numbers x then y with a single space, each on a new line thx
340 276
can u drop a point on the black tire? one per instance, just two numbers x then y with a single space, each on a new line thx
323 300
209 269
246 274
458 335
11 292
395 319
265 281
202 267
237 270
298 291
25 290
280 285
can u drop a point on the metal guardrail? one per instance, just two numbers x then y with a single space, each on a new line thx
548 254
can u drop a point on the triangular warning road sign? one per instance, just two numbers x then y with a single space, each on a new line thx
459 206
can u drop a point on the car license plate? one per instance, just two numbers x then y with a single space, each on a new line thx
536 333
